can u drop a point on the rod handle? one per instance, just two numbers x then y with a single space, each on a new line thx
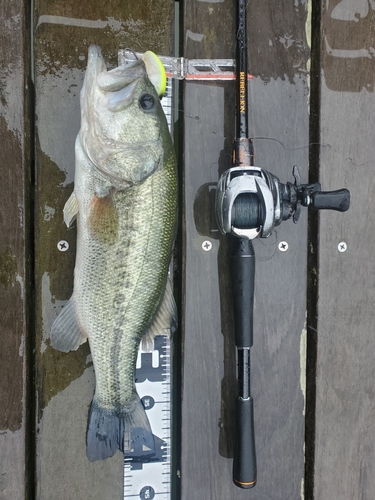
244 463
242 272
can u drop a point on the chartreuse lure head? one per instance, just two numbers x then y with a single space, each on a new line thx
155 72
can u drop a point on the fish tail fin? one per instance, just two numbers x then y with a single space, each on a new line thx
110 430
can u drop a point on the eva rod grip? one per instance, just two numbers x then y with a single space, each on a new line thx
244 463
242 272
331 200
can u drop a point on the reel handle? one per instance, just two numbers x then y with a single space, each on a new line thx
330 200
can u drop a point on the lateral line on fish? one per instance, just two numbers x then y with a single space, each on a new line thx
148 239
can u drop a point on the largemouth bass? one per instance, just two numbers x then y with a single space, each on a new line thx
125 203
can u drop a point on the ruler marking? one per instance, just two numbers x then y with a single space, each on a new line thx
155 476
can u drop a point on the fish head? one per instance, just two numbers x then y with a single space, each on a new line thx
123 125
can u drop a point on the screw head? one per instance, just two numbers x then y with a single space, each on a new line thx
283 246
63 246
342 246
207 245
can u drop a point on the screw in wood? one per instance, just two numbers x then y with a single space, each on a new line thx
342 246
63 245
207 245
283 246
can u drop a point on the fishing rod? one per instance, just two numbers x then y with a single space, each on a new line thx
250 202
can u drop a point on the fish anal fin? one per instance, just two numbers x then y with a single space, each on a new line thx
165 320
71 209
66 334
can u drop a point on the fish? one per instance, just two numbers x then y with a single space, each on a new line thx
125 206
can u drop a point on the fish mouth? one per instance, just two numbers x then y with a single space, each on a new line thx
117 85
118 100
122 76
112 80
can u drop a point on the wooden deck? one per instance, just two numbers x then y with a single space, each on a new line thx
312 104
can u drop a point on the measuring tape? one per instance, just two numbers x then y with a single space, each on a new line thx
153 383
153 378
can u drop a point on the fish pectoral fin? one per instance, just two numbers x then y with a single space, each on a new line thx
66 334
165 321
103 220
71 209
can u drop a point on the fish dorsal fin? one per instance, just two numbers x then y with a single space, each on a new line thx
165 320
71 209
66 334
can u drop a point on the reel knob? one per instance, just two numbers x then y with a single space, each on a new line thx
330 200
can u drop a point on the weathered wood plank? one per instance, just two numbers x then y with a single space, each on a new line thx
63 33
345 408
278 55
14 230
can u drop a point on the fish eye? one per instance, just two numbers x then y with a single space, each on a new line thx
147 102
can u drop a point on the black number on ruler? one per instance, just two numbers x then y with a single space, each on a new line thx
148 402
147 493
147 371
161 449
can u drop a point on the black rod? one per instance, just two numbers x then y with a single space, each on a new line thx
241 70
242 271
243 153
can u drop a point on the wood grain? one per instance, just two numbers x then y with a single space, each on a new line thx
14 248
279 124
345 408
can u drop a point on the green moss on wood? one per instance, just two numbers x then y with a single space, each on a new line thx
8 268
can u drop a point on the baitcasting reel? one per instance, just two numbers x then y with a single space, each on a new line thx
251 201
